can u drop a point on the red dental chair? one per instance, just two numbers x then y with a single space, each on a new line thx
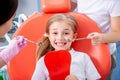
22 66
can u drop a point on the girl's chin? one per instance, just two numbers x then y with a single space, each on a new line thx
61 49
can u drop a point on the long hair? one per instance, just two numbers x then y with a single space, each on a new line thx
7 10
46 47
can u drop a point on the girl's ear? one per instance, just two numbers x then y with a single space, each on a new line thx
74 37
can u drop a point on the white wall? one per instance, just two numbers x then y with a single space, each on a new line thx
27 7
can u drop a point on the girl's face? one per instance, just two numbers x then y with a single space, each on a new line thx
59 33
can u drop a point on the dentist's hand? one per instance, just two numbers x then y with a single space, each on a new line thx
15 45
96 38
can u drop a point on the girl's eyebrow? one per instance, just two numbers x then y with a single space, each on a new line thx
67 29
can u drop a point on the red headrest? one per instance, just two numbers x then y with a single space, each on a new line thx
55 6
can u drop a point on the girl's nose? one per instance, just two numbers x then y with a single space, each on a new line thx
60 37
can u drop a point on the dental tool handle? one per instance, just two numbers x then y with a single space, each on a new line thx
31 41
69 40
81 38
39 44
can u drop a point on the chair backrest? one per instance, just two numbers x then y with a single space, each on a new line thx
22 66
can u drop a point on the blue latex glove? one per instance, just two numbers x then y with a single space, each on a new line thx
16 44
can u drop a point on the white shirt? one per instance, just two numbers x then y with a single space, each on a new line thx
100 11
81 66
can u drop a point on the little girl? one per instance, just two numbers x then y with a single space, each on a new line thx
60 28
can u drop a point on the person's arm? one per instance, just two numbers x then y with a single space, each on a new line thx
16 44
112 36
73 5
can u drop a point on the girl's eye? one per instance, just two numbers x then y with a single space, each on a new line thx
54 33
66 33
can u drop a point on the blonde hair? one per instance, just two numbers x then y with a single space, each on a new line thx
46 47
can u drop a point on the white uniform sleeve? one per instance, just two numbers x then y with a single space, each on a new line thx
39 73
91 71
114 8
